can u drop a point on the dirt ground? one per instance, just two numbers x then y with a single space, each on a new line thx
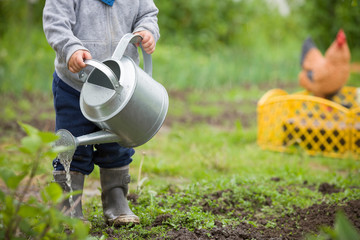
292 226
296 225
40 117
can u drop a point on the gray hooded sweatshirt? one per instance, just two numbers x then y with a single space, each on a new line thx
91 25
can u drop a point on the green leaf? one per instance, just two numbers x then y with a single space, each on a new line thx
26 227
48 137
28 211
60 150
9 205
40 226
30 144
6 173
10 178
13 182
52 192
81 231
30 130
344 228
32 200
51 154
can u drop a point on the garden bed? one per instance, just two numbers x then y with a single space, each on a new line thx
253 194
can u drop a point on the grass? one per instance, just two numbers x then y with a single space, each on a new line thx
181 67
205 153
26 61
185 164
29 65
190 160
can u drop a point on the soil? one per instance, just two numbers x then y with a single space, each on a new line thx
289 226
230 114
293 226
296 225
43 118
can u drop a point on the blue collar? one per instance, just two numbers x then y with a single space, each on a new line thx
108 2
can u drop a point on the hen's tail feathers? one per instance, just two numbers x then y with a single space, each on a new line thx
308 44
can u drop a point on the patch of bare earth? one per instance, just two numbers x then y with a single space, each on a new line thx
288 226
295 225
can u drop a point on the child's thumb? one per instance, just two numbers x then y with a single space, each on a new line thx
86 55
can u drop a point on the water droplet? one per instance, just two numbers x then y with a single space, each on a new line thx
65 159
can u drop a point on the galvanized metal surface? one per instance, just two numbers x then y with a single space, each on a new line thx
135 110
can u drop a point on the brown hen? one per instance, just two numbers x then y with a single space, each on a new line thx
325 75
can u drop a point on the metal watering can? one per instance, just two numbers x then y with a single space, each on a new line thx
120 98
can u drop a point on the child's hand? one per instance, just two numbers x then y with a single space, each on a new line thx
148 41
76 62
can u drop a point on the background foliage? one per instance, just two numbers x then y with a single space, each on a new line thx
333 15
231 51
229 41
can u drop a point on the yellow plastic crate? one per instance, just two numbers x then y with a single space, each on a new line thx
319 126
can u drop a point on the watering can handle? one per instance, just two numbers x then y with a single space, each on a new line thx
105 70
122 45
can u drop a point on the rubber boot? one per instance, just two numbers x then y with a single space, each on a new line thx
114 184
77 183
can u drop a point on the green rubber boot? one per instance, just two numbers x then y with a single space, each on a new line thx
114 184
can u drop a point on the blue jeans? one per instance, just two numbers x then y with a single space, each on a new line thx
69 117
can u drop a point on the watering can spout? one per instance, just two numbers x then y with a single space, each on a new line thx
99 137
68 140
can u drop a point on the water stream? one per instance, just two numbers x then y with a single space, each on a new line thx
65 158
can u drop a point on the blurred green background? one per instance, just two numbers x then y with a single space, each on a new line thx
204 44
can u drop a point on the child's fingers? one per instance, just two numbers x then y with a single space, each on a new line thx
87 55
80 62
150 49
148 44
148 41
76 62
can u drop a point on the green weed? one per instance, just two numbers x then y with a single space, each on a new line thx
23 217
342 230
200 175
29 66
